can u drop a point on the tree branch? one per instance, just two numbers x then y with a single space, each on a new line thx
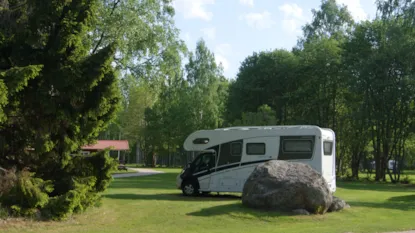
103 32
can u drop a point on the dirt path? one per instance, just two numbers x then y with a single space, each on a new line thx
139 172
413 231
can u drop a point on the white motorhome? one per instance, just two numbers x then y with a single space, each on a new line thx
227 156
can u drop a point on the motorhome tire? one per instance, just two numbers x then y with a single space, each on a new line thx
189 188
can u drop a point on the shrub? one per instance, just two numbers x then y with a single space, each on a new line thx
25 194
78 187
405 180
4 213
81 183
8 179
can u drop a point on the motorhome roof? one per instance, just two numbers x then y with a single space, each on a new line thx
215 137
278 127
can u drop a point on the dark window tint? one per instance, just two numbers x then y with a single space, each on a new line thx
255 148
201 141
226 156
204 162
236 149
328 148
296 147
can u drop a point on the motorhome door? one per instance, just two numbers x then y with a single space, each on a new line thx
204 166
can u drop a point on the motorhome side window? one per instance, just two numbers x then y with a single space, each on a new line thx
296 147
255 148
328 147
236 149
230 152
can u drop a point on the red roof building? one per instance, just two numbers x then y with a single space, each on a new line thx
114 145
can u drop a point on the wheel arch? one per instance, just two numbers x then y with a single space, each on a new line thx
192 179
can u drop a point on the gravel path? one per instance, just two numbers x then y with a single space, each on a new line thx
140 172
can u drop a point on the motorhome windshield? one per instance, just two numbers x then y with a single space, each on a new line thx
203 161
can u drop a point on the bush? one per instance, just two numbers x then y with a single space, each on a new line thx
78 187
23 193
4 213
8 180
405 180
79 198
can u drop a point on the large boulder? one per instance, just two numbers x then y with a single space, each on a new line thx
338 204
287 186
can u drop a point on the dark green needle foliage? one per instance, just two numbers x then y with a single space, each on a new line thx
54 98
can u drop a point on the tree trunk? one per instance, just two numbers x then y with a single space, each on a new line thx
355 164
137 153
378 156
154 164
384 159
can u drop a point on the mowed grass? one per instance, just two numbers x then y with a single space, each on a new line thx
152 204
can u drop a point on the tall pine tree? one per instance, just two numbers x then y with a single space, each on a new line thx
55 97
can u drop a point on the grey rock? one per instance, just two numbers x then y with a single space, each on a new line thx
286 186
301 212
338 204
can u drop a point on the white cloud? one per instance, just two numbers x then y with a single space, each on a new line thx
210 33
249 3
192 9
221 51
355 8
290 25
187 37
293 17
291 10
259 21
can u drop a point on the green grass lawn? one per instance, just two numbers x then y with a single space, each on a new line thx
151 204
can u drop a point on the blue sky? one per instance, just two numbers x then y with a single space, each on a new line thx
234 29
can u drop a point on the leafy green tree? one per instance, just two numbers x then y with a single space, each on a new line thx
318 81
409 155
330 21
204 78
324 82
145 32
377 59
263 117
149 53
264 78
188 100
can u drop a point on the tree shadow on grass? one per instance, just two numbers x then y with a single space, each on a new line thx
238 210
405 203
371 186
408 199
172 197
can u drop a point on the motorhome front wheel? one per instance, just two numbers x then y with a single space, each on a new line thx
189 189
